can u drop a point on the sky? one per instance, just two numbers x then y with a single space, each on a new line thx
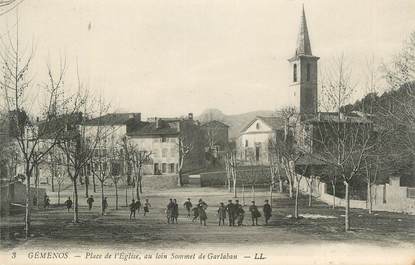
169 58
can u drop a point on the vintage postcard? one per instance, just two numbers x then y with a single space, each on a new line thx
207 132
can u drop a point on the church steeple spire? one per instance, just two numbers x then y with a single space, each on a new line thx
303 40
304 72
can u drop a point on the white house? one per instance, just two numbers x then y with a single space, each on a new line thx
252 146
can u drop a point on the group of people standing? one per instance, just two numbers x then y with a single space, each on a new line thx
135 206
234 212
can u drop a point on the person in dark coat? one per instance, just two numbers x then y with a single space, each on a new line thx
68 203
267 211
188 205
230 208
222 213
239 213
169 211
195 211
255 214
138 205
104 205
175 213
90 201
34 200
46 201
147 206
132 208
202 206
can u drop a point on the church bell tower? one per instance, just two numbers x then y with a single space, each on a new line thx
304 72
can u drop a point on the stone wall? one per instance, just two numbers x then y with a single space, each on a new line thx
387 197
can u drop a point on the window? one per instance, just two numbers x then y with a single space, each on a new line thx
257 126
163 167
246 143
295 73
164 152
308 72
171 167
163 139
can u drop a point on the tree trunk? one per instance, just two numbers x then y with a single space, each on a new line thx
93 183
86 186
126 195
53 177
280 183
75 195
347 211
333 185
234 188
59 194
179 179
116 196
243 194
270 195
102 198
253 192
137 189
297 192
369 197
37 184
27 202
310 195
290 189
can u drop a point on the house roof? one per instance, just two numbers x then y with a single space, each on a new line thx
214 123
150 129
275 122
113 119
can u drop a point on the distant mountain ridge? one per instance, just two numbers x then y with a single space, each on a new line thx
236 122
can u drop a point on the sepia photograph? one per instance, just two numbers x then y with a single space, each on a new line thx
207 132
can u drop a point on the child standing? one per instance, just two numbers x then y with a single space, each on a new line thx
222 213
147 206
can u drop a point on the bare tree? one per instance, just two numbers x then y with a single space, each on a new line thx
28 135
185 147
136 157
342 141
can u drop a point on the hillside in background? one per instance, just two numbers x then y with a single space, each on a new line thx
235 122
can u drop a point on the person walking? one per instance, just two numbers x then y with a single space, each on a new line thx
90 201
202 206
222 213
68 203
104 205
267 211
175 211
132 208
239 213
230 208
188 205
138 206
254 213
147 206
169 211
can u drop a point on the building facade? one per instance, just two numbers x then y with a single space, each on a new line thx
253 141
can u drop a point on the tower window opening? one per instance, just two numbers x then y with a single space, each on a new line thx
295 73
308 72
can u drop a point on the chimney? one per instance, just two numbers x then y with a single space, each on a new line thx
190 116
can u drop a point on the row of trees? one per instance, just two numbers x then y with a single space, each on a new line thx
52 131
363 144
